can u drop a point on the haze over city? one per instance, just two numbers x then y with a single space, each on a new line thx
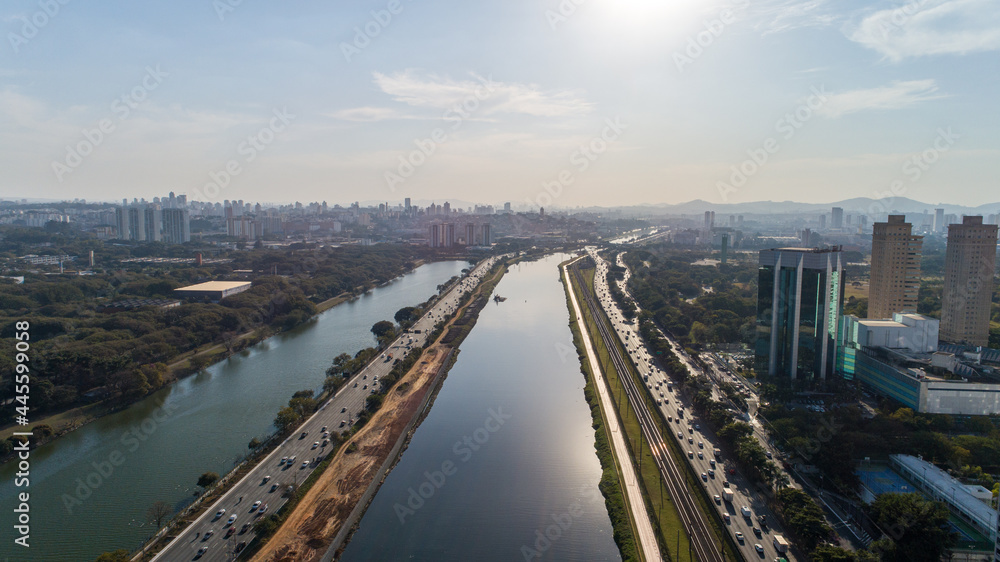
815 101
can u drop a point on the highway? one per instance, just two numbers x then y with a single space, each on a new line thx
212 538
697 441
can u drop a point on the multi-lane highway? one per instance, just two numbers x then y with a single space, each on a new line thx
226 527
694 439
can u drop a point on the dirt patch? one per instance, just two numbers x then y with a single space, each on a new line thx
310 528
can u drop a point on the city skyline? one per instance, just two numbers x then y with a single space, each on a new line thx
321 102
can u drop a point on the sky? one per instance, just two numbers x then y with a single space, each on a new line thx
558 103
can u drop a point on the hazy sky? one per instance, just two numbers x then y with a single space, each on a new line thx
603 101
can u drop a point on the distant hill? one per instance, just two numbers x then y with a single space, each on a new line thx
866 205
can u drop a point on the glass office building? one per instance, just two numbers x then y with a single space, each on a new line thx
799 302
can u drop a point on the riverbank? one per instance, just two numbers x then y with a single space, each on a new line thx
330 510
183 365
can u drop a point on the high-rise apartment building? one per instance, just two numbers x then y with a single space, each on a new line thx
176 226
969 263
799 302
837 218
895 272
938 225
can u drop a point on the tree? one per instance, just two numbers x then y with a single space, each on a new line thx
157 513
918 527
286 419
406 314
383 328
254 443
207 479
120 555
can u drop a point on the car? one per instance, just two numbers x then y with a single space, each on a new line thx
201 552
759 549
701 455
344 409
756 532
745 511
303 435
230 532
315 445
273 488
244 528
711 473
232 519
691 440
268 477
691 431
326 442
711 463
704 477
220 513
283 461
680 435
241 546
262 509
768 454
304 464
718 500
739 537
207 534
701 445
324 429
690 454
725 517
291 459
256 504
343 423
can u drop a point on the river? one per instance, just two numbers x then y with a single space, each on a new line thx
90 490
503 467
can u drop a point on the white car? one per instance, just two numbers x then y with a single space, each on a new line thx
220 513
232 519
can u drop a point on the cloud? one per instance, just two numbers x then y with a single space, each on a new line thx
369 114
897 95
788 15
930 27
480 95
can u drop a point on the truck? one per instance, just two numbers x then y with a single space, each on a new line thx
780 544
727 494
717 452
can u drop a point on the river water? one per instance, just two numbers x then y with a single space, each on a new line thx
90 490
503 467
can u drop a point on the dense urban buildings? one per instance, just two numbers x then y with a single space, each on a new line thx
799 302
970 261
895 269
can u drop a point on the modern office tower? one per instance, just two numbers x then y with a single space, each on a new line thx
822 222
153 224
799 302
176 226
447 208
895 274
406 204
969 262
837 218
938 221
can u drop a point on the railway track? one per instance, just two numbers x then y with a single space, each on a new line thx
699 531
